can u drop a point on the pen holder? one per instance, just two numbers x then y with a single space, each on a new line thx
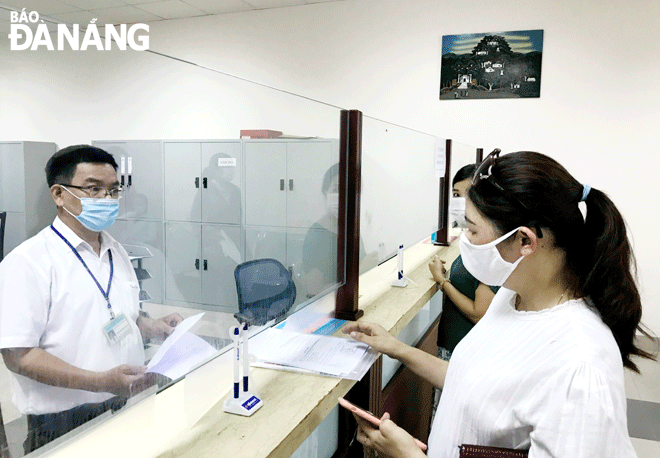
245 405
246 402
401 280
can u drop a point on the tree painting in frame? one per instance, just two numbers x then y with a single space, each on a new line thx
491 65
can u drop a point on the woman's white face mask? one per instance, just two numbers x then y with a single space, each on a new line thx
457 211
485 262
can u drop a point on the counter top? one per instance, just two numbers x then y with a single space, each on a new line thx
187 419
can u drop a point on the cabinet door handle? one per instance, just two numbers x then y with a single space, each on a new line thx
204 182
206 265
197 182
196 264
282 184
290 185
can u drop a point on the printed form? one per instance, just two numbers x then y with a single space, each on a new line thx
332 356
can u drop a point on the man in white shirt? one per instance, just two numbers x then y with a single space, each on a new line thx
70 328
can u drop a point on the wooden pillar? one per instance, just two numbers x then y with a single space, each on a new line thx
348 242
442 235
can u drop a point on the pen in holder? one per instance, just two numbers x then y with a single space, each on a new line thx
401 281
242 402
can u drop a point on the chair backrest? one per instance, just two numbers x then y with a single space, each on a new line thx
3 218
265 289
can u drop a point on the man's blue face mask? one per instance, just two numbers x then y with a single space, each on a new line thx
97 214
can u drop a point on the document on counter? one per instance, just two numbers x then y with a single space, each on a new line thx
310 322
318 354
181 351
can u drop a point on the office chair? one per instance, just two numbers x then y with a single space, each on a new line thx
265 291
3 218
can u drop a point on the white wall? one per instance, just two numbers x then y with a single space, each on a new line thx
598 111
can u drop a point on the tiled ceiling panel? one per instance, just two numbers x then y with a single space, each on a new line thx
132 11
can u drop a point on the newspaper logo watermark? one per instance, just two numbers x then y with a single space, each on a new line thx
22 36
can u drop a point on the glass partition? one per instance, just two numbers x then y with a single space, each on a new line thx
235 228
461 170
400 189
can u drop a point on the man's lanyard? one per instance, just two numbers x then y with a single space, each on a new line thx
106 294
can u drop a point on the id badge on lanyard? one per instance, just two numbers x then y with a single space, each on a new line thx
116 329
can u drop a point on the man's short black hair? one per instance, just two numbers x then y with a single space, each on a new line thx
62 165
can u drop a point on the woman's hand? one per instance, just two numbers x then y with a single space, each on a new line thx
374 335
388 439
438 270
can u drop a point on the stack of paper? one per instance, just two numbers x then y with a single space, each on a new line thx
331 356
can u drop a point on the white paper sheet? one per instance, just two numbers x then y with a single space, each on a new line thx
325 355
188 351
181 351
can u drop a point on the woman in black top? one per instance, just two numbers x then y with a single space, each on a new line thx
467 298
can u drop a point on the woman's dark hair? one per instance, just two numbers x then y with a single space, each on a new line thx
332 172
61 167
464 173
599 258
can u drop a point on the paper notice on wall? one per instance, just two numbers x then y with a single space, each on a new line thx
440 157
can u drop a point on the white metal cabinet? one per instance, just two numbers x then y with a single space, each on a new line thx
283 244
200 263
221 253
203 182
284 198
265 183
182 180
24 193
12 174
283 181
265 242
140 220
141 174
222 164
307 162
183 253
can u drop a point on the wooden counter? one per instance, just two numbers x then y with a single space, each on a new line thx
187 419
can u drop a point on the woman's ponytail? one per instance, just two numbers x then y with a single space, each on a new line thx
608 275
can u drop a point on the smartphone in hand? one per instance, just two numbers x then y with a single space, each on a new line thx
375 421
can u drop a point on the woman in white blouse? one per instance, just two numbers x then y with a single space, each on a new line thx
543 369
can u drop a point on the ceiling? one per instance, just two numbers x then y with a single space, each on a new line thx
134 11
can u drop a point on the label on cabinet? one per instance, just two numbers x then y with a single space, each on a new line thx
226 162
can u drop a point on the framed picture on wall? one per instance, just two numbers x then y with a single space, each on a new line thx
491 65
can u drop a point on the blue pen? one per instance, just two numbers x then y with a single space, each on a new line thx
237 361
400 259
246 359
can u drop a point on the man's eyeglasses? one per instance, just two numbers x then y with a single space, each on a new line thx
99 192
